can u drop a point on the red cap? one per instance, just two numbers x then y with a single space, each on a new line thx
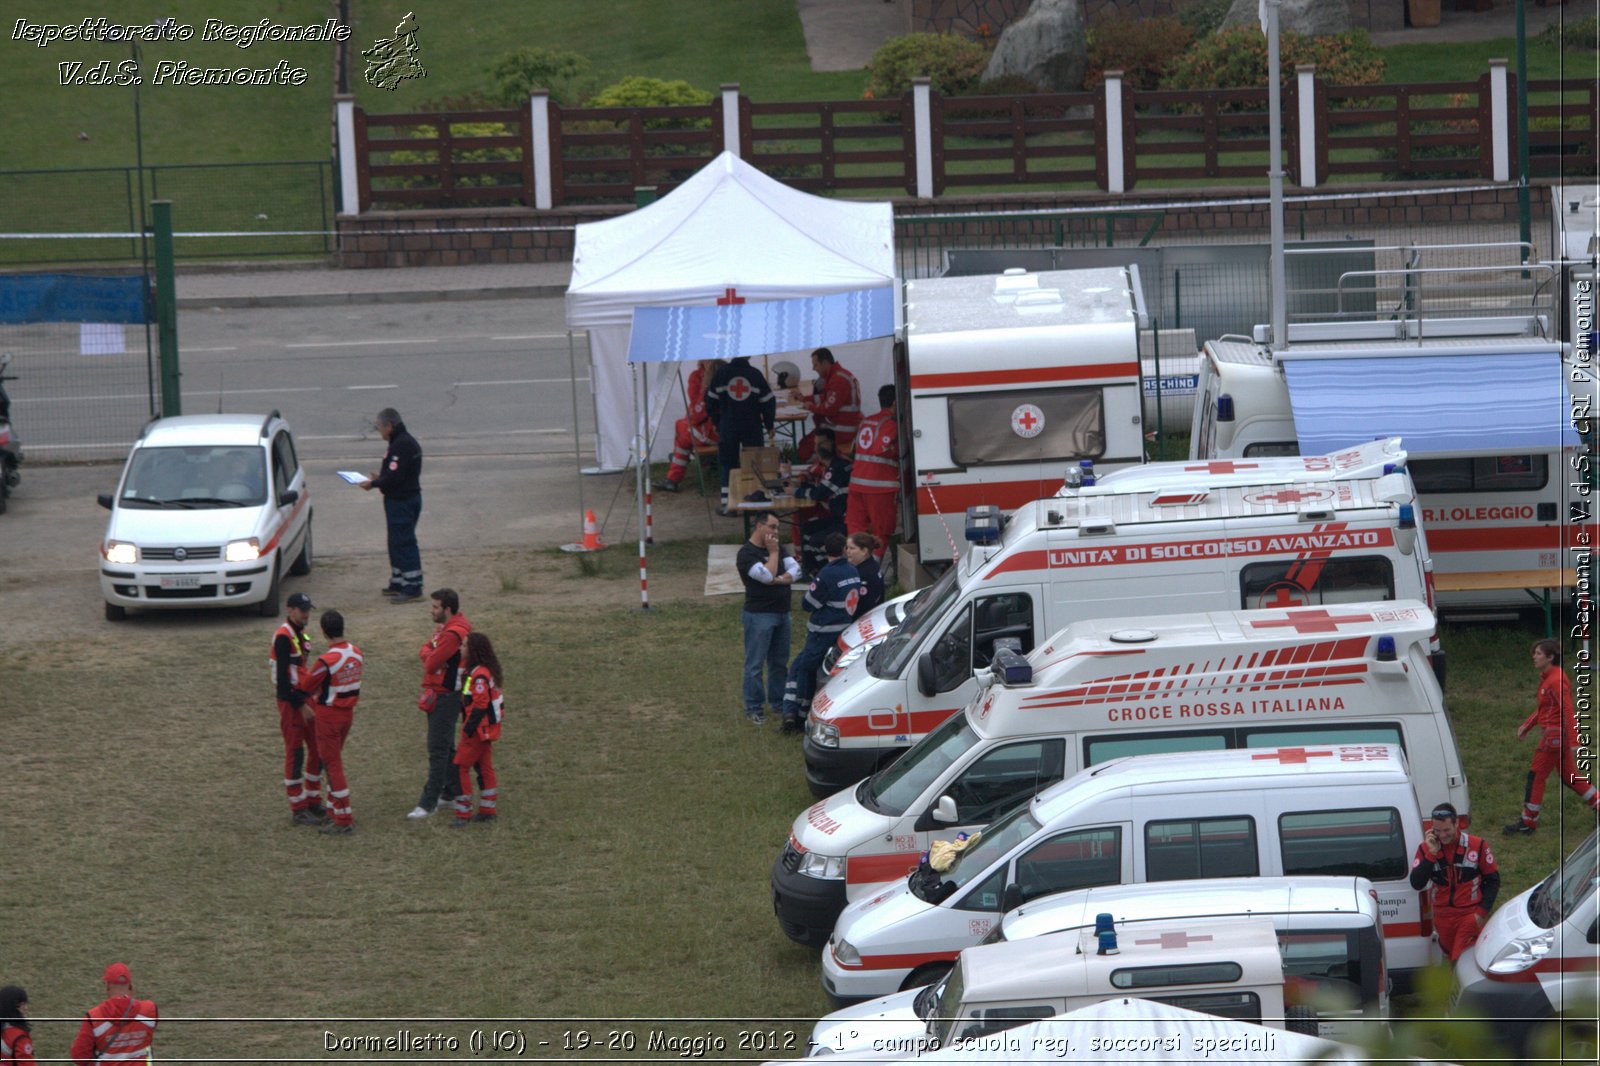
117 974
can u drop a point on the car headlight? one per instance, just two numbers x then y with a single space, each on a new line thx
823 734
845 953
1521 953
121 552
242 551
826 867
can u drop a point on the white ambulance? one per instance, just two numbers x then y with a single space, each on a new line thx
1012 379
1325 809
1485 407
1100 690
1229 969
1105 552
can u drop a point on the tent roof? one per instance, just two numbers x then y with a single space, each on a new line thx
728 226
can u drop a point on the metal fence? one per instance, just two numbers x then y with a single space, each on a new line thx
82 390
257 209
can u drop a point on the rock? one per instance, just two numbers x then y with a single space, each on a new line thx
1312 18
1047 46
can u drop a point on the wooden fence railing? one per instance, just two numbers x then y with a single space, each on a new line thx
1110 139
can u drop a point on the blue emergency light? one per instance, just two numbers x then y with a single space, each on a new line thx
983 524
1086 468
1408 516
1386 652
1106 933
1010 667
1224 408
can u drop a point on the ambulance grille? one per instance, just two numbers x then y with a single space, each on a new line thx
791 858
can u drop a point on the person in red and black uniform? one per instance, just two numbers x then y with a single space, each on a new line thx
482 704
302 763
399 480
333 683
826 483
16 1041
1558 739
441 698
875 477
1464 877
692 430
119 1028
835 404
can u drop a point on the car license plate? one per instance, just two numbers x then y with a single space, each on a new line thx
180 581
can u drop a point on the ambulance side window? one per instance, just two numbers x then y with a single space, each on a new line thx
1356 843
1245 1006
1200 847
1292 583
986 895
1006 615
952 653
1288 736
1488 473
1080 859
1004 776
1026 425
986 1020
1099 749
1271 448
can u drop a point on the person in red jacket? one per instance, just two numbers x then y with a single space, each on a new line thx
302 764
1558 739
333 685
441 698
16 1041
1464 880
481 704
694 429
835 405
875 479
120 1028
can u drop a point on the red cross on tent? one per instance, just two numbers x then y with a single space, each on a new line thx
1317 621
738 388
1293 756
1226 466
1175 940
729 296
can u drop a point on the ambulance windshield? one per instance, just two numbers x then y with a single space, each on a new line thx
897 786
890 658
1563 892
991 848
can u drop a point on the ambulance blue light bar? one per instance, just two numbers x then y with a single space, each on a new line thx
983 524
1408 516
1386 652
1224 408
1010 667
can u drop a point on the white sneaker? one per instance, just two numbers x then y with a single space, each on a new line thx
419 812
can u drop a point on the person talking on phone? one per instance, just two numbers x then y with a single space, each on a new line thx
1464 880
769 575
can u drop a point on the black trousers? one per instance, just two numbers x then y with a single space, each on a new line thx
443 781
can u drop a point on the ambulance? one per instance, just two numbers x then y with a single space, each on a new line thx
1008 380
1486 408
1226 969
1101 690
1107 551
1340 809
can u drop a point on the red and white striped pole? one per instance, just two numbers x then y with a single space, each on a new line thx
649 514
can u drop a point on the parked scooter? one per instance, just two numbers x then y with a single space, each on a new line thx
10 446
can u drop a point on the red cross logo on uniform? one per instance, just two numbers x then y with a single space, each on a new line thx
864 438
1175 940
1317 621
1288 496
1293 756
851 599
729 296
739 389
1227 466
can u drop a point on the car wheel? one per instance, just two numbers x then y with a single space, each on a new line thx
1562 1040
1301 1020
268 608
302 562
925 975
115 612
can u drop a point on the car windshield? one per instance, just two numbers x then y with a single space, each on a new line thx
195 476
927 1002
1574 881
997 840
889 658
948 1005
896 787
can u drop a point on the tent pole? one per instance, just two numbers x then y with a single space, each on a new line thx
577 445
640 458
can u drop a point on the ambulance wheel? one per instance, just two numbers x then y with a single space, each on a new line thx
925 975
1562 1040
302 562
115 612
1301 1020
268 608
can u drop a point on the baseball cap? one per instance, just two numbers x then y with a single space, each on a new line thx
117 974
300 599
1444 810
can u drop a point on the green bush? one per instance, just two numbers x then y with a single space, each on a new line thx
1236 58
1579 36
955 64
654 92
1143 49
1204 16
517 74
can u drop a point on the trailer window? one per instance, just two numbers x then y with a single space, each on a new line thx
1026 426
1367 843
1271 448
1185 849
1486 473
1243 1006
1297 583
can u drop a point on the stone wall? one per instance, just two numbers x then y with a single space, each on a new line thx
452 238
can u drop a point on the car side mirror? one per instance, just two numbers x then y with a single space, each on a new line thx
1011 898
288 496
944 811
104 499
927 676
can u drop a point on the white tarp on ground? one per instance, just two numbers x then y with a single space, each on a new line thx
727 227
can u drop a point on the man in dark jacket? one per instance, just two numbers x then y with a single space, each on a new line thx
398 480
741 403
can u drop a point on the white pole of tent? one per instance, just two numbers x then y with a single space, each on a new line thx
577 444
641 457
1280 298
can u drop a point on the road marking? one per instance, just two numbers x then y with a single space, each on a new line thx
372 386
224 348
449 436
249 392
357 344
518 381
538 336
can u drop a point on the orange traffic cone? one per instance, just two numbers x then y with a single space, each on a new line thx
591 533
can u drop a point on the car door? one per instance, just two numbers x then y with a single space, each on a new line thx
288 495
943 681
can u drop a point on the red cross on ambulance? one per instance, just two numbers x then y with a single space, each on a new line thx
1290 496
1175 940
1224 466
1316 620
1027 421
1292 756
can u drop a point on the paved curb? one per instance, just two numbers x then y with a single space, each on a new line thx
330 299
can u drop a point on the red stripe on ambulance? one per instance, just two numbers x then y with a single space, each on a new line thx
1320 541
1024 375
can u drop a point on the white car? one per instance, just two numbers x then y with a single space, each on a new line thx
210 511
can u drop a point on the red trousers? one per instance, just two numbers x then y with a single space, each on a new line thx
874 512
1458 929
1545 759
302 766
474 754
333 726
685 438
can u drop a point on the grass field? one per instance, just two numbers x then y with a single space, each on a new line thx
627 879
